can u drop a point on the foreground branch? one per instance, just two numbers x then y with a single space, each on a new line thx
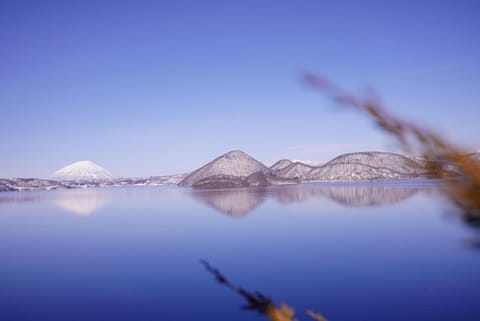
256 301
459 172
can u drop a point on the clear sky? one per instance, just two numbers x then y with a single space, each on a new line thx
160 87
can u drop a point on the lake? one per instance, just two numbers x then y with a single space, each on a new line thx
371 251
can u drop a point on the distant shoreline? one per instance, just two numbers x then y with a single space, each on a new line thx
49 185
237 169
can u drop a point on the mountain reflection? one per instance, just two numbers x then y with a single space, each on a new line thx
235 202
238 202
360 196
83 202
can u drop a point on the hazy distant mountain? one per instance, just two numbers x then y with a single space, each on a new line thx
226 170
83 170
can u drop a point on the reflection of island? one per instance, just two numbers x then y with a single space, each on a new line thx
83 201
236 202
76 201
241 201
357 195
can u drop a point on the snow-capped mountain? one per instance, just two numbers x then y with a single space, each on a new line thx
237 169
83 170
366 166
234 164
395 162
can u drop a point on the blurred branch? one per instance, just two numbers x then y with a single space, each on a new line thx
256 301
459 174
462 183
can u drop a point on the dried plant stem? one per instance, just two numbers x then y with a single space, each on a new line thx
460 173
256 301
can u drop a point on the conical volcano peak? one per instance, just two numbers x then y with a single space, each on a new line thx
82 170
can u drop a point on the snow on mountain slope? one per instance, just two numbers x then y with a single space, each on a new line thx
355 167
392 161
83 170
294 170
312 163
280 164
234 164
232 170
353 172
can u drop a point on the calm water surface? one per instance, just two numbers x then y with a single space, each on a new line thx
352 252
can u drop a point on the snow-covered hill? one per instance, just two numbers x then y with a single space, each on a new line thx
237 169
353 172
365 166
234 164
395 162
83 170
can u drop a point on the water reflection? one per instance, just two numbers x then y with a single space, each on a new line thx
135 258
235 202
83 202
241 201
360 196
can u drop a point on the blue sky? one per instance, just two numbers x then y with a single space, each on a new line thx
159 87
